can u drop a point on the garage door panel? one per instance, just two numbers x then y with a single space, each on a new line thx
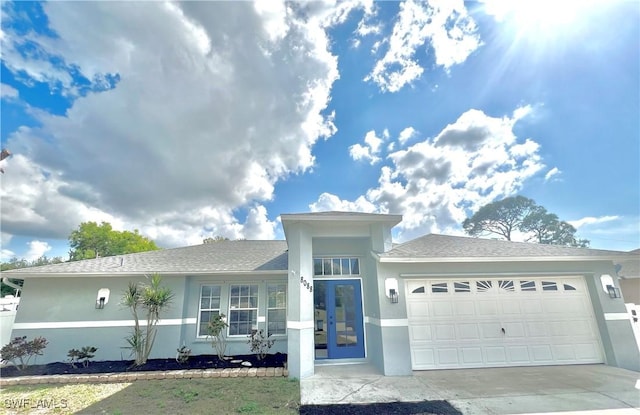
472 355
518 354
468 331
495 354
442 309
487 307
419 333
445 332
484 323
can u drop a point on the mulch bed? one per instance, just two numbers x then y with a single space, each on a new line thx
391 408
125 366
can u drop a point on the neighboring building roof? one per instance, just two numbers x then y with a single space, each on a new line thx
215 257
630 268
443 248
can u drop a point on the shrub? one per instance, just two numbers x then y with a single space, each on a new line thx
216 331
260 344
183 354
83 355
19 351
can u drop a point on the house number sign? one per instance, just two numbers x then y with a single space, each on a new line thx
306 284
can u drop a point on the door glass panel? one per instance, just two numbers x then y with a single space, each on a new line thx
320 314
345 316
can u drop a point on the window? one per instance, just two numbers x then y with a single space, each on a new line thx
527 285
243 309
276 309
419 290
336 266
549 286
439 287
462 287
483 286
568 287
506 285
209 306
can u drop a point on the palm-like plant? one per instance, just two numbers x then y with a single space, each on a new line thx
153 299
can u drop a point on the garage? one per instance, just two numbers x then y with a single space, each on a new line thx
504 321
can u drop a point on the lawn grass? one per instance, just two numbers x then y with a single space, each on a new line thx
176 396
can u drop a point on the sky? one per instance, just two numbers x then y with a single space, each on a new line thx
198 119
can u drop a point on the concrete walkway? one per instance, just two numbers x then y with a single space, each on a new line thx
521 390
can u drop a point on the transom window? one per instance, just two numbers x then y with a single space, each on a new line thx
336 266
209 306
243 309
439 287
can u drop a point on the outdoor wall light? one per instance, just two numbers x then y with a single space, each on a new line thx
613 291
393 296
391 289
102 298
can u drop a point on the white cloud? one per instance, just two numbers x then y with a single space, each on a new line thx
215 103
437 182
444 26
6 255
8 92
406 135
551 173
36 250
329 202
591 220
371 148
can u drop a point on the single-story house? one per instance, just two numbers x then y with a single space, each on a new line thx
338 290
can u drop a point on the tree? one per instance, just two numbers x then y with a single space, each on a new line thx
91 240
501 217
522 214
217 238
151 299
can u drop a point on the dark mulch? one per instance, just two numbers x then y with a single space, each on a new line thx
399 408
120 366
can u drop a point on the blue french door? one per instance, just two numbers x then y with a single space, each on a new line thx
339 331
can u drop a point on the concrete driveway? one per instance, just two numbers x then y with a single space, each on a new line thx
518 390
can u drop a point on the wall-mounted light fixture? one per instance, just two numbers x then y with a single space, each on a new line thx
391 289
102 298
613 291
609 287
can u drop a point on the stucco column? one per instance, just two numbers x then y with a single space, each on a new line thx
300 344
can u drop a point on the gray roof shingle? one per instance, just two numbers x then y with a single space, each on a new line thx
434 246
223 256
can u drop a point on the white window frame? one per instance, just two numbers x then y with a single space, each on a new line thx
209 309
236 308
282 307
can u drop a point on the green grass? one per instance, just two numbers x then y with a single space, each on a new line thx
175 396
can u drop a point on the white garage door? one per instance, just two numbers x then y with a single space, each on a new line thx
487 322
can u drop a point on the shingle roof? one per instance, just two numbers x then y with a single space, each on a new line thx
630 268
435 246
222 256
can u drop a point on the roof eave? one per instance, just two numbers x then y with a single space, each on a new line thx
111 274
418 260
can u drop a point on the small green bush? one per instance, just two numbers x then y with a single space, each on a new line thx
260 344
83 355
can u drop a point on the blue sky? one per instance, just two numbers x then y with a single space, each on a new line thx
196 119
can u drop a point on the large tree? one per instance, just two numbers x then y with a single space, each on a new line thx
522 214
91 240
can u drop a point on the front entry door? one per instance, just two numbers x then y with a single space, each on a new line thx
339 331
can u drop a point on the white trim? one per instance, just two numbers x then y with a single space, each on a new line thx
436 275
300 325
105 323
387 322
616 316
